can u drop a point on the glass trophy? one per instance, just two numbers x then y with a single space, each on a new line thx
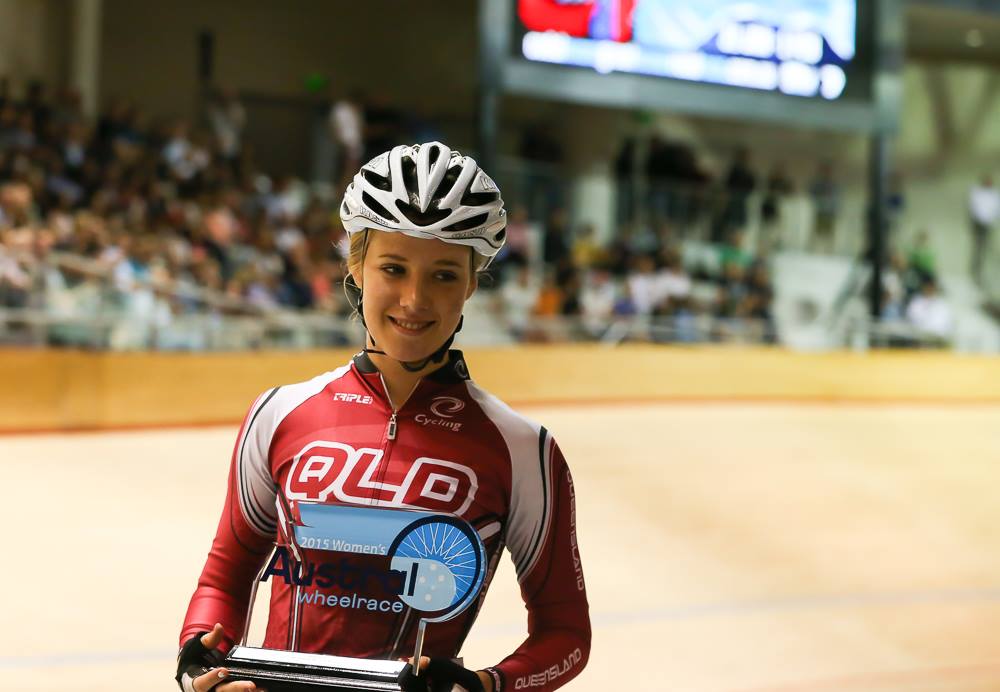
440 556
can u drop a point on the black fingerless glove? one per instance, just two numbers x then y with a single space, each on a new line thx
440 675
193 660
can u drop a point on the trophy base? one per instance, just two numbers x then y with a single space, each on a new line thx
291 671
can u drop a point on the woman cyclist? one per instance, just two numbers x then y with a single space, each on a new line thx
406 427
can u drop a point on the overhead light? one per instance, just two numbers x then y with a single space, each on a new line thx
974 38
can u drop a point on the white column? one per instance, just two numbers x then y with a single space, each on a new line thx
86 56
594 201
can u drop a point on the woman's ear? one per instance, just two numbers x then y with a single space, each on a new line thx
473 285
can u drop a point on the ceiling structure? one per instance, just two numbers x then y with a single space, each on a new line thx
953 31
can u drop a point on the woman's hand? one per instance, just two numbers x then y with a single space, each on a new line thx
215 678
441 674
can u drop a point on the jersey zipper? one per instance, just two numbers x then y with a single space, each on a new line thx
390 437
390 434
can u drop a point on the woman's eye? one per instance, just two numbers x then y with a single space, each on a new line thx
446 276
394 269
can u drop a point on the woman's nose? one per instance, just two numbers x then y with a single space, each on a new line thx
414 294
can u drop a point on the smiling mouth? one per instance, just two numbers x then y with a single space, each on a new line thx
411 327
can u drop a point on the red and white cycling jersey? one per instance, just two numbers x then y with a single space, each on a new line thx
451 448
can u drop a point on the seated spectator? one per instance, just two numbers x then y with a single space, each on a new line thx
733 251
619 256
672 280
734 292
518 250
570 286
642 285
587 252
555 244
675 321
550 297
922 258
328 274
256 287
550 303
295 290
759 298
597 301
930 313
73 149
184 158
642 240
288 235
894 292
624 305
15 273
685 319
520 296
17 205
20 135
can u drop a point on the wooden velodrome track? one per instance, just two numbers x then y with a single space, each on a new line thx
728 547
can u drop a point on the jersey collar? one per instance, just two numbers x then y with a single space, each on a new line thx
452 372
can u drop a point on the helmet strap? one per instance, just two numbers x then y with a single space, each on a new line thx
351 287
437 356
409 366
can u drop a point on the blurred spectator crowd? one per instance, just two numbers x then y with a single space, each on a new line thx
168 218
155 219
555 282
914 311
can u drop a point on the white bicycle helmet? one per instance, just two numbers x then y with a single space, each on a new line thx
427 191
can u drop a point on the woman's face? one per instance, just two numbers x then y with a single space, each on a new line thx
414 292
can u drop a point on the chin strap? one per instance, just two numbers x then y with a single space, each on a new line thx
436 357
410 366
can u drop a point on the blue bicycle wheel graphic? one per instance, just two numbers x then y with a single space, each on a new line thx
444 560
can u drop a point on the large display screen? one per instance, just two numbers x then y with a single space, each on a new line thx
796 47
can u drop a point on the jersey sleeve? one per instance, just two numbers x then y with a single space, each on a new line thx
244 536
541 536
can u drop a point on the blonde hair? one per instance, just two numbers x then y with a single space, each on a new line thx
356 255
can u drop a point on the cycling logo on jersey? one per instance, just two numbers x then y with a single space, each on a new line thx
352 398
444 407
333 470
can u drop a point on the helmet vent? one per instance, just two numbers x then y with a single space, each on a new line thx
466 224
478 199
447 182
376 207
409 175
380 182
421 218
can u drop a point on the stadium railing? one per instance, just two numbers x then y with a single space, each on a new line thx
75 302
